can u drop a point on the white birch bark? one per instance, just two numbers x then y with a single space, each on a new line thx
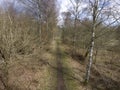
90 57
94 16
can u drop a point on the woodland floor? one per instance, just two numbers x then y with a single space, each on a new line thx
60 77
56 69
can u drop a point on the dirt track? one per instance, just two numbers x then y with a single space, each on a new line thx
60 77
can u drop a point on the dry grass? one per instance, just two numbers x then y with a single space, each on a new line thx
32 72
105 73
37 71
73 71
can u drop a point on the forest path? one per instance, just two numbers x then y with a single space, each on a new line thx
60 77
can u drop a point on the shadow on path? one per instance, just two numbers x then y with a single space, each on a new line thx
60 77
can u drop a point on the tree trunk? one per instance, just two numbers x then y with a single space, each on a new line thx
94 16
90 56
96 56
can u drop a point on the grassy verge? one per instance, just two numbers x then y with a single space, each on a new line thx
70 82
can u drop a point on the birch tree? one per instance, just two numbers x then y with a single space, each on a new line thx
94 12
101 12
45 13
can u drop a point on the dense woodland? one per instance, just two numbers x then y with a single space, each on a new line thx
36 49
